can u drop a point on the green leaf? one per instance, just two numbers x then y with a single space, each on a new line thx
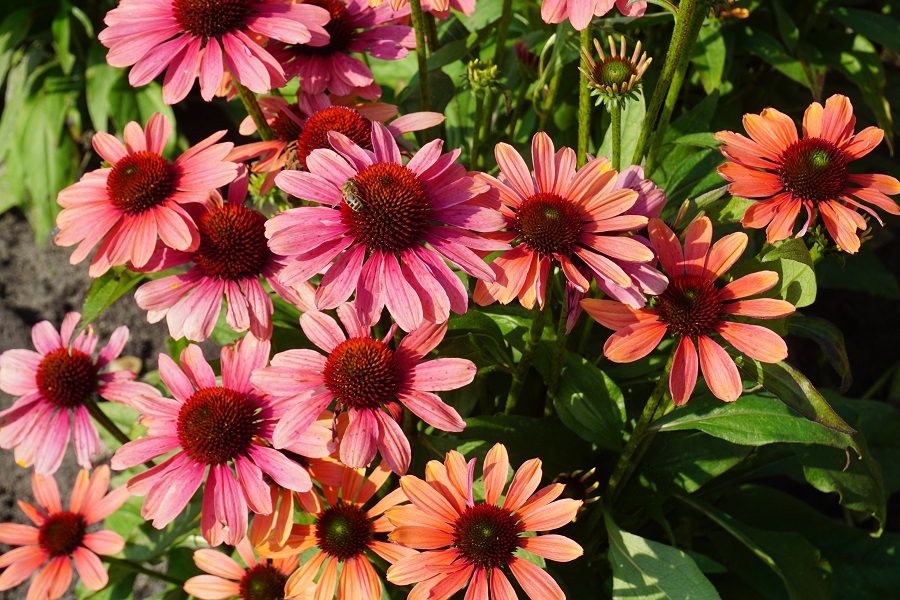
763 45
863 272
100 78
830 340
648 570
120 586
105 290
752 420
793 388
880 421
590 403
796 276
882 28
790 35
709 56
62 36
863 67
484 332
13 30
700 140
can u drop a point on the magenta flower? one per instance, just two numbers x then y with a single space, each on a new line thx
231 258
215 426
378 211
355 27
55 382
363 375
127 207
199 38
580 12
303 126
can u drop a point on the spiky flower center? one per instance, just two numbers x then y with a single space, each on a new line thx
343 531
361 373
216 425
814 170
211 18
232 243
548 224
390 210
486 535
62 533
340 28
614 70
67 377
263 582
334 118
285 128
690 305
140 181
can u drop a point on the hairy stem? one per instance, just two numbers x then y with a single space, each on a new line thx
418 19
615 114
253 109
584 100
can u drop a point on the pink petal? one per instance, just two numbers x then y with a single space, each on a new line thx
634 342
90 569
719 370
401 299
284 471
392 443
683 377
443 374
431 409
322 330
360 441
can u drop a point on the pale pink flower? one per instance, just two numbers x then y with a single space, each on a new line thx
355 27
365 376
222 427
199 38
61 535
127 206
303 126
54 383
580 12
231 258
378 215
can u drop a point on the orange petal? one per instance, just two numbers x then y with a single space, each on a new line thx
772 129
496 469
634 342
719 370
725 253
209 587
753 340
812 120
615 315
525 481
782 224
838 120
862 143
552 547
667 247
683 377
745 151
697 238
750 183
535 581
883 183
421 538
553 516
841 225
427 499
760 308
754 283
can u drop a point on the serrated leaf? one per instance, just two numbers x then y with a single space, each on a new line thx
590 403
648 570
830 340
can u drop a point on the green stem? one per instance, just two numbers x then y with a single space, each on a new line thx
559 353
547 110
615 114
255 112
502 32
584 100
538 317
476 129
138 568
94 410
517 110
640 438
431 34
418 19
686 11
675 89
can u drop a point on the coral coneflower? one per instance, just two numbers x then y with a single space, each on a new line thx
216 427
54 383
232 256
377 218
693 308
784 174
303 127
364 376
342 535
128 206
474 544
580 12
199 38
61 537
226 578
574 218
355 27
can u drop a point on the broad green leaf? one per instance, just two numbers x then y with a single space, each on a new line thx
881 421
882 28
632 119
695 120
863 66
648 570
701 140
13 30
790 35
763 45
62 37
793 388
105 290
120 586
709 56
795 561
100 78
483 331
830 340
752 420
590 403
796 277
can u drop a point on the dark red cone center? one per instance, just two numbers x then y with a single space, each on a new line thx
690 305
334 118
211 18
140 181
486 535
61 533
343 531
548 224
232 243
216 425
340 28
67 378
361 373
814 170
263 582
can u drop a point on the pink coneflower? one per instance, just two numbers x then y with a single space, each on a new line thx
232 256
303 127
580 12
55 382
364 375
469 544
786 173
61 535
190 39
226 578
215 426
126 207
574 218
378 211
355 27
693 308
343 535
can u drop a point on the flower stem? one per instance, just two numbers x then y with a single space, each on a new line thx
584 100
559 353
253 109
538 317
431 35
94 410
502 32
476 129
640 437
615 114
677 46
139 568
418 19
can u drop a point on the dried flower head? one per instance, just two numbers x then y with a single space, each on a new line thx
615 77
